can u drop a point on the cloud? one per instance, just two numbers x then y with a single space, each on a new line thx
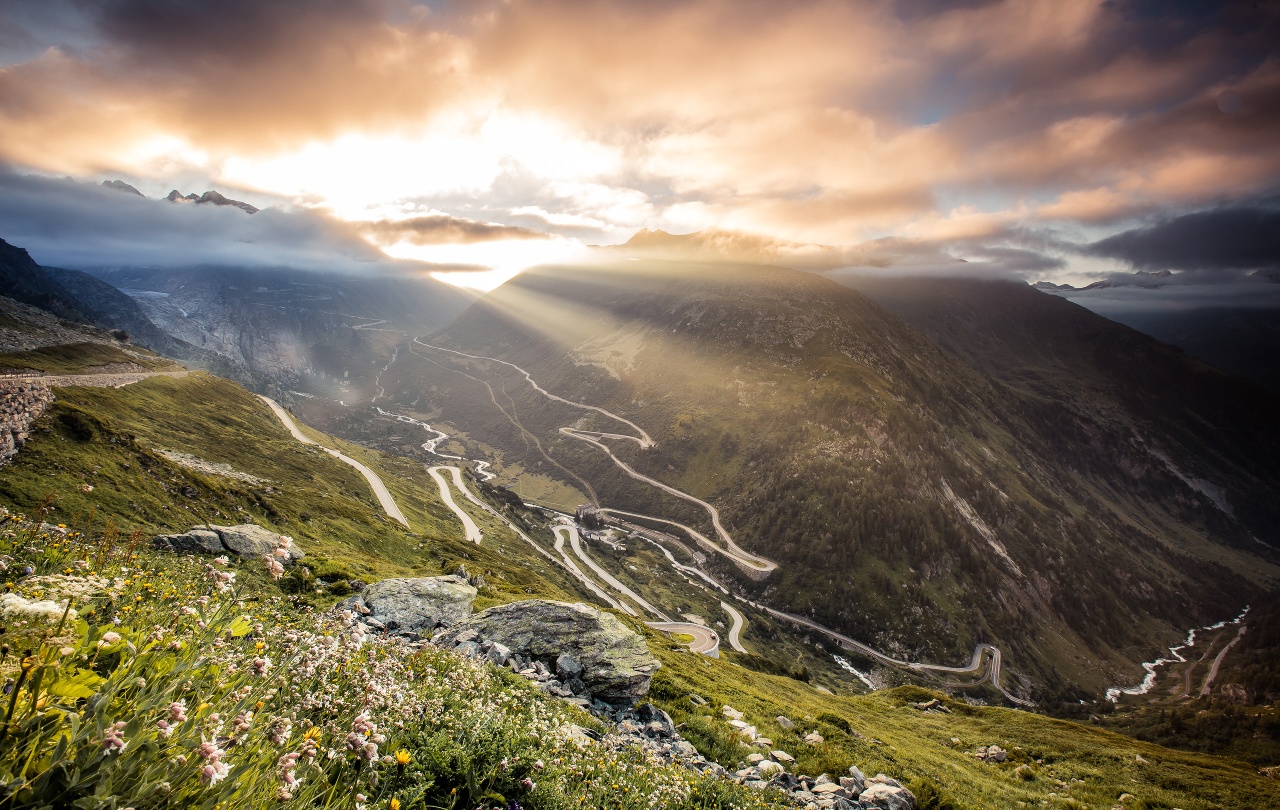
818 121
69 224
438 229
1224 239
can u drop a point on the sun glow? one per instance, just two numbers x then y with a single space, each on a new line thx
503 259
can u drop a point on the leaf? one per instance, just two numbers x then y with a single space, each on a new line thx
84 684
241 627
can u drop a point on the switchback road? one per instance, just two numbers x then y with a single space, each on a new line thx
379 489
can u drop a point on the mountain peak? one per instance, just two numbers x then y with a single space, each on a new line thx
120 185
210 196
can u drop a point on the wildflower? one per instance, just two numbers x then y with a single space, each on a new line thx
112 741
178 711
279 730
528 783
260 666
403 757
86 488
223 560
65 651
395 804
109 637
166 730
214 772
274 568
210 752
360 801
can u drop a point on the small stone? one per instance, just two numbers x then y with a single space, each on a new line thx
755 759
813 738
731 713
785 723
781 756
697 700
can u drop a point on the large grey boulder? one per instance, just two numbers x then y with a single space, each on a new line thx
615 663
414 605
196 541
254 542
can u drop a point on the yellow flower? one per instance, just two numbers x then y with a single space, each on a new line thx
312 733
403 757
260 646
395 804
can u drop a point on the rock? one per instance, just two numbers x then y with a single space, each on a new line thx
357 585
657 722
196 541
416 605
933 705
567 667
991 753
829 789
764 742
254 542
616 664
769 768
731 713
781 756
755 759
785 723
813 738
697 700
881 779
883 796
499 655
854 785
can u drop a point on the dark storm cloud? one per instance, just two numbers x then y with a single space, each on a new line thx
77 225
1234 238
438 229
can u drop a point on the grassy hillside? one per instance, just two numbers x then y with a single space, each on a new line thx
1053 763
95 457
109 440
912 499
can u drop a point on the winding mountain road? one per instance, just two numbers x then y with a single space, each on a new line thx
575 541
583 578
750 563
470 530
705 641
735 632
379 489
1207 686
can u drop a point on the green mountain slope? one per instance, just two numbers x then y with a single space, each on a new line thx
110 439
911 499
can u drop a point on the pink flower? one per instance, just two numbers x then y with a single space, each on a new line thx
214 772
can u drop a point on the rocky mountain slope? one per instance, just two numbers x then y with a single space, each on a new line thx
910 497
304 331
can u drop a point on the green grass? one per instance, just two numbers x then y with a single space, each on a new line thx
879 733
78 358
108 439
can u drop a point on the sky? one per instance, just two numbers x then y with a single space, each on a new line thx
1060 141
